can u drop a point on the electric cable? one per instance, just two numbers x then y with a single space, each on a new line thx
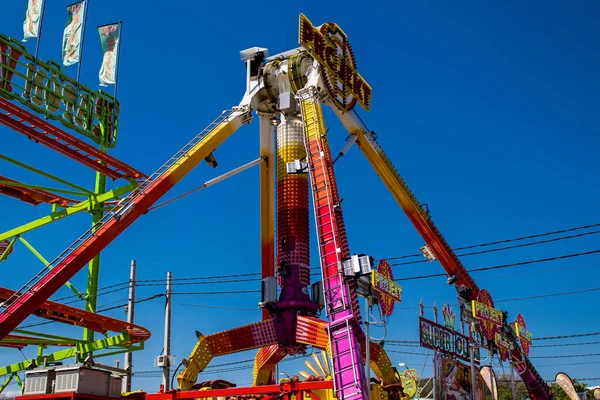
567 336
516 264
517 239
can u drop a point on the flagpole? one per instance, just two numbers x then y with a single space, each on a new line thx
85 12
118 48
39 38
118 61
37 49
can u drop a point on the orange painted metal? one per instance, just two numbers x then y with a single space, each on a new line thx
75 316
286 388
47 134
33 196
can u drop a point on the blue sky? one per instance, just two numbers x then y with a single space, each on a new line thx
490 112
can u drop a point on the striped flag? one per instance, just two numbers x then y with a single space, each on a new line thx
72 34
110 36
33 16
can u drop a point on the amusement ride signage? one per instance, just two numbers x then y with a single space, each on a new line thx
523 334
449 317
388 291
483 310
328 44
503 346
444 340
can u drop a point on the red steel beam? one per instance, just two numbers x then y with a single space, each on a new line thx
75 316
6 342
284 387
33 196
47 134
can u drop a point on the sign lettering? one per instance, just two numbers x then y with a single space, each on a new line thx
445 340
491 318
330 47
389 292
503 346
525 337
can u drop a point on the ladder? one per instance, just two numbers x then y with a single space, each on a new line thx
341 302
39 288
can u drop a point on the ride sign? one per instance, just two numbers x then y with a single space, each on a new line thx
445 340
525 337
483 310
503 346
388 291
328 44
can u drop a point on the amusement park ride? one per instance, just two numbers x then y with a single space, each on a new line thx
286 91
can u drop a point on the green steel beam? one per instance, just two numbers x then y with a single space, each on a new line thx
45 335
38 187
83 206
41 342
47 264
91 297
6 382
45 174
19 382
81 348
7 250
125 349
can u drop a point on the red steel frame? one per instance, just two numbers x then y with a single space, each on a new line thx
286 391
45 133
75 316
33 196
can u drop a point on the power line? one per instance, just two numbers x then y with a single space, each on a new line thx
567 344
211 306
567 336
202 277
99 310
549 295
569 356
219 292
505 240
526 298
516 264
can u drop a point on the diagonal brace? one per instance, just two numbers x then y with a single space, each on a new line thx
87 205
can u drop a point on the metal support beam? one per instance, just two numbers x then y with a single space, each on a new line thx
47 264
91 295
267 195
83 206
45 174
15 184
6 383
81 348
44 132
6 252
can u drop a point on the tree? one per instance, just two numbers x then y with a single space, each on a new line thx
505 388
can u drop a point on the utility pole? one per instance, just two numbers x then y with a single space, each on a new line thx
130 315
512 379
167 344
472 340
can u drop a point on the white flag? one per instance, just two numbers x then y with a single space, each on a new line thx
110 36
72 34
33 16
